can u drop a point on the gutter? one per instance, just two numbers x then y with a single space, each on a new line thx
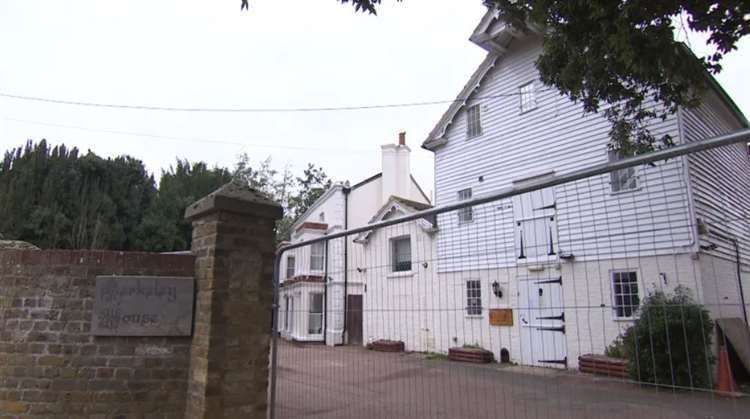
346 192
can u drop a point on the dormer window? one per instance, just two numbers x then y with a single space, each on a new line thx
473 122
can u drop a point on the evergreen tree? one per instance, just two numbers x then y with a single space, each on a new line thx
55 198
164 227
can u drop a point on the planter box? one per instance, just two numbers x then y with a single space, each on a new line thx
384 345
475 355
603 365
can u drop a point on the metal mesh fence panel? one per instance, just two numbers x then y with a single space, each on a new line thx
619 291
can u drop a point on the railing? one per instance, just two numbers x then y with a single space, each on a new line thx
554 271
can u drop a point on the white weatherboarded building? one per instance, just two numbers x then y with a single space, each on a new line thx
573 261
316 291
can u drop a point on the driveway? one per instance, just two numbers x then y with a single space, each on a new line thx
316 381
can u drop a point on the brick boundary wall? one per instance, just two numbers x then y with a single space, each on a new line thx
51 365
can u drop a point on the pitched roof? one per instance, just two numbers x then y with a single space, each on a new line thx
489 26
434 138
395 203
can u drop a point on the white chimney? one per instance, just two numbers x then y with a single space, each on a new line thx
396 169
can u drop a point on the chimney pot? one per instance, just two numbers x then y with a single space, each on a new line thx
402 138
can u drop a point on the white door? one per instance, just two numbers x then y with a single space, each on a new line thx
541 318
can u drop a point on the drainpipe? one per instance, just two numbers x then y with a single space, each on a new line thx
739 280
346 191
325 294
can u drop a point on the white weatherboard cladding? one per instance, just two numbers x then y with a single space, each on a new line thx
556 136
590 321
720 179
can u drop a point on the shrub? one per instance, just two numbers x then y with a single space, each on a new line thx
670 342
617 349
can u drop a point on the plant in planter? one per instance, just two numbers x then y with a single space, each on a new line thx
616 349
470 353
670 342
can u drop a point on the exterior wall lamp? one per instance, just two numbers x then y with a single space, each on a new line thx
497 290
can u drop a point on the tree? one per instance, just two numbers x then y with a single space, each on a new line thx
313 183
621 56
56 198
163 227
294 195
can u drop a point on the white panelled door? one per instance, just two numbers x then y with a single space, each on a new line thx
541 318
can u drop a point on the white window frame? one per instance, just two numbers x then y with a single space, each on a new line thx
317 256
291 261
617 307
527 97
318 315
473 121
394 255
474 298
616 183
465 214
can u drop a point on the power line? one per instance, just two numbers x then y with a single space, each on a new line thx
192 139
245 110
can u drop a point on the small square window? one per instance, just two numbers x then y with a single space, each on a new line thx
290 261
624 179
401 254
527 95
474 298
466 214
473 122
625 294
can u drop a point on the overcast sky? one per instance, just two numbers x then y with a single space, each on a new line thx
280 54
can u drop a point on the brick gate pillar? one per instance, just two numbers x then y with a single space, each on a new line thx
233 244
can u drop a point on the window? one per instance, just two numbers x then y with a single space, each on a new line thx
317 256
625 293
465 214
290 260
315 314
474 298
401 254
473 122
623 179
527 96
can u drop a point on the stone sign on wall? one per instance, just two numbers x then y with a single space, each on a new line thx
143 306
